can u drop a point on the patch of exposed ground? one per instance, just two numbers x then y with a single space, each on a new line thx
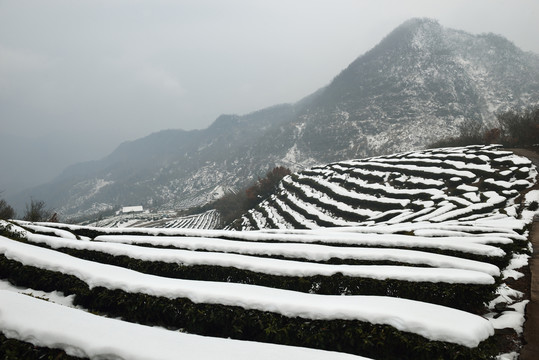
530 350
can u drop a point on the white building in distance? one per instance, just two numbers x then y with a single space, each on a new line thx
132 209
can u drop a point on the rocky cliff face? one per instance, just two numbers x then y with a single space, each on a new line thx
416 86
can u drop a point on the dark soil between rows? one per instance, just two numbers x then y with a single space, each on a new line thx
530 351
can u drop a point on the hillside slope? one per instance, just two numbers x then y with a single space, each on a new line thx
416 86
433 186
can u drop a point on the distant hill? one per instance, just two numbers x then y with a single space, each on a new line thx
416 86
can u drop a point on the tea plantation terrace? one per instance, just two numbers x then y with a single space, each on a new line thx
431 185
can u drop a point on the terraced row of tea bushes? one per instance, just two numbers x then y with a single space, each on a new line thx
380 204
516 246
352 336
468 297
269 219
449 167
207 220
329 209
406 183
385 192
332 209
417 171
351 172
501 262
285 210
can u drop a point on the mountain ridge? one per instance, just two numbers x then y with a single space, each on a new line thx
416 86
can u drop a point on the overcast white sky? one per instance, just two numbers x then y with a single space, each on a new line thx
94 73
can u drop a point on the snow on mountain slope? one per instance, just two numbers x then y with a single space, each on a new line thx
419 84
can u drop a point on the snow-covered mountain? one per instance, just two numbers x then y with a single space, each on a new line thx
416 86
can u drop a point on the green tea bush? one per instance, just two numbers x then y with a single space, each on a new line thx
352 336
469 297
13 349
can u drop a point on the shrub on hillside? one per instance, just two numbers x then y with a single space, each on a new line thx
492 136
230 206
469 134
515 128
265 187
234 204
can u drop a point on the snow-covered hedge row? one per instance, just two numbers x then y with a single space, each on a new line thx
55 330
465 285
313 252
450 293
146 306
401 334
474 242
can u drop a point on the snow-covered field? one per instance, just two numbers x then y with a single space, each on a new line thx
163 219
417 254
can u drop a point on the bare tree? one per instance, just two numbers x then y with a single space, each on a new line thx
36 211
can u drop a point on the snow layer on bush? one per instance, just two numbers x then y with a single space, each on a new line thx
442 323
57 232
56 297
86 335
346 236
281 267
513 318
313 252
